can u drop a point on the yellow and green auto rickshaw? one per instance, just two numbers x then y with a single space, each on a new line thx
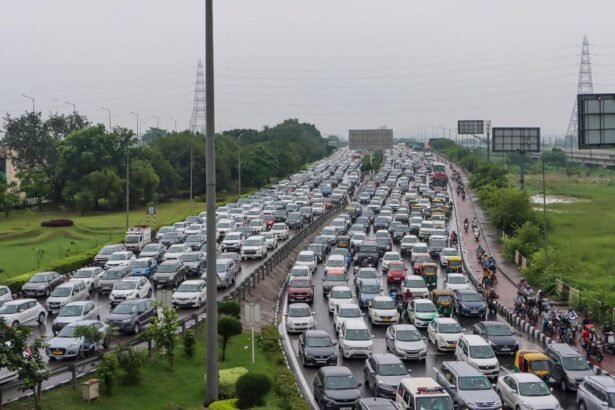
532 361
455 264
430 274
443 299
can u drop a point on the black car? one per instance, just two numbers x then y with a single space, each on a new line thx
367 254
400 231
171 238
279 215
381 222
131 315
468 302
324 242
153 250
194 263
375 403
336 388
499 336
319 251
42 284
195 241
317 349
383 245
294 220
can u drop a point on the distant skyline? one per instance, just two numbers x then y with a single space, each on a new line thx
338 64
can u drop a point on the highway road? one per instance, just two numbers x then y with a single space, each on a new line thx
324 321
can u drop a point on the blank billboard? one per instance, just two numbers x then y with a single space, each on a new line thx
596 120
515 139
470 127
371 140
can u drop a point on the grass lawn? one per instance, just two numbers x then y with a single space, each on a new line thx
22 232
160 388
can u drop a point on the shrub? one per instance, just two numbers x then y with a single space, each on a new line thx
270 336
227 381
107 370
228 327
251 390
72 263
229 307
55 223
16 282
189 343
131 360
230 404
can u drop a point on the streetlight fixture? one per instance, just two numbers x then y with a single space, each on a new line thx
32 99
239 161
174 124
74 106
137 115
109 112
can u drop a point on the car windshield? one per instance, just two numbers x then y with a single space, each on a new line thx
474 383
141 264
221 267
112 274
414 283
83 274
253 242
318 341
383 304
189 257
125 309
170 236
575 363
67 331
481 352
329 231
126 285
357 334
118 257
61 292
188 287
425 307
68 311
419 249
408 241
423 259
223 225
392 369
39 279
397 266
299 284
300 272
449 252
534 389
349 312
370 289
438 242
341 294
471 297
167 268
107 250
335 263
368 273
150 248
408 335
335 278
382 241
299 312
131 239
340 383
449 328
8 309
305 257
434 403
391 257
194 238
176 249
498 330
368 249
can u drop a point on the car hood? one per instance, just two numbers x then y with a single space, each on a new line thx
127 292
456 286
116 263
232 241
537 402
579 374
502 340
320 351
416 290
397 273
392 381
140 270
35 286
299 290
301 319
385 312
64 342
347 394
450 337
416 345
148 254
67 319
366 297
479 396
56 299
164 274
117 317
190 264
185 294
172 255
426 315
472 305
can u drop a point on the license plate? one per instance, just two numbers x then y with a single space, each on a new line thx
345 408
321 361
386 320
56 352
474 311
505 349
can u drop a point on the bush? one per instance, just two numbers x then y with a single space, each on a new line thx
230 404
72 263
270 337
228 326
230 308
131 360
189 343
55 223
251 390
227 381
108 369
16 282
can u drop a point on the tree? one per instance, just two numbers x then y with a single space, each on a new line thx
107 370
152 134
143 182
229 307
94 337
9 198
35 183
251 390
162 332
228 327
556 157
259 165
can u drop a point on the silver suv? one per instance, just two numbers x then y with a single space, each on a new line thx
468 387
596 393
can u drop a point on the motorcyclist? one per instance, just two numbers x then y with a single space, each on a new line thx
407 296
571 314
453 237
522 284
466 224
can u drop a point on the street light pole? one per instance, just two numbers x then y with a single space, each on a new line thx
210 169
239 161
109 112
157 120
74 106
32 99
544 212
137 115
174 124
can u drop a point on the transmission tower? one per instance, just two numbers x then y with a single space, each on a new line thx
197 121
585 86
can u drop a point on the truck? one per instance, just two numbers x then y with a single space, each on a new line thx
137 237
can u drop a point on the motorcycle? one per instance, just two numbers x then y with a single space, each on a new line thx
493 306
547 326
609 342
566 336
533 315
463 195
476 235
594 348
454 243
465 227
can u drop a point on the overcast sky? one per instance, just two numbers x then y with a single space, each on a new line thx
339 64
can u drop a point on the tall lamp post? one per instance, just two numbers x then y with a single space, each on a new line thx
109 112
74 106
174 124
128 172
239 161
32 99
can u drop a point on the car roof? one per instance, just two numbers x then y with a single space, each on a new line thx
82 323
298 305
79 303
525 377
469 291
70 284
475 340
493 323
193 281
370 281
386 358
462 368
423 301
606 382
335 371
341 287
382 297
131 278
145 258
18 301
316 333
355 324
445 320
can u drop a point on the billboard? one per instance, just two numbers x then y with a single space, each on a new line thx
470 127
371 140
596 114
515 139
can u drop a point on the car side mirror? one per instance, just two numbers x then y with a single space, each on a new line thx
359 384
285 314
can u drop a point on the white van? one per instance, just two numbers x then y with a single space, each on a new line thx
477 352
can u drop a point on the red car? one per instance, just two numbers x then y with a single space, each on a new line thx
269 221
421 258
396 272
327 203
300 290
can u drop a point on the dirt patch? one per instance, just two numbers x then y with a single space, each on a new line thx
556 199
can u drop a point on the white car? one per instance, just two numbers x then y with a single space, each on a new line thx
90 276
299 317
66 293
193 229
407 243
123 258
176 251
224 226
456 281
307 258
347 311
355 339
258 225
418 248
22 311
446 253
301 271
477 352
444 333
281 230
233 241
329 232
416 285
130 288
271 240
382 311
339 295
73 312
526 391
318 208
357 239
254 247
336 263
191 293
5 294
390 257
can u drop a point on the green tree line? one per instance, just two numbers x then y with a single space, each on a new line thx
68 160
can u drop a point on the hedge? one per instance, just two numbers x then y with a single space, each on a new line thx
227 381
230 404
56 223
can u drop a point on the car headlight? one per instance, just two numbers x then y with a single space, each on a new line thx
194 298
126 320
73 345
345 346
526 406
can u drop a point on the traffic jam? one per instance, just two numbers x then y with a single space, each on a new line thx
380 314
123 288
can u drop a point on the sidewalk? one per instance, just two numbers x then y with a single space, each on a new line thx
508 273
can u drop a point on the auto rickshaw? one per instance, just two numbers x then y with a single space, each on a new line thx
532 361
430 274
343 242
455 264
443 299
